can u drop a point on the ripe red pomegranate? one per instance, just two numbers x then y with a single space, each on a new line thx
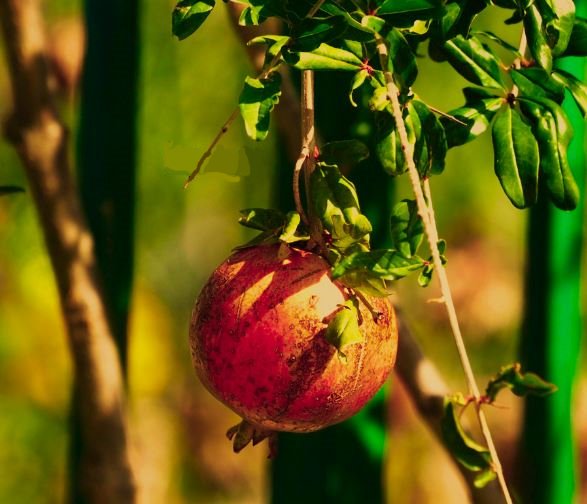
257 341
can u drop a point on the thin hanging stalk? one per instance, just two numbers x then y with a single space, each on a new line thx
424 210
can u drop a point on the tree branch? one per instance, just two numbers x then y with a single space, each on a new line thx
41 140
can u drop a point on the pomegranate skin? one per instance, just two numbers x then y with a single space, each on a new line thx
257 341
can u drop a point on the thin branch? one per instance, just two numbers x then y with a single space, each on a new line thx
208 152
432 237
296 183
41 141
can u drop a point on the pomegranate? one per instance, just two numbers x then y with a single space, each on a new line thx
258 345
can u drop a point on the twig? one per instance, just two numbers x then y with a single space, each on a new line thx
41 141
432 237
210 149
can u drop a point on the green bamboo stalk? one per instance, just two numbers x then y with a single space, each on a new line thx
106 169
343 463
552 332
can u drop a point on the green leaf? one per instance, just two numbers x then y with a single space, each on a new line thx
476 118
498 40
325 57
5 190
425 276
407 228
515 157
373 23
521 384
343 330
335 202
401 60
553 132
539 48
188 16
386 264
468 452
536 81
310 33
388 147
291 231
433 140
344 152
559 24
484 478
262 219
577 88
418 7
274 43
578 42
357 81
256 102
474 61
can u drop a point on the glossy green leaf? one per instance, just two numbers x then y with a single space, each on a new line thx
434 140
553 132
388 147
406 7
537 43
407 228
471 121
558 27
310 33
536 81
6 190
577 88
274 43
188 16
262 219
344 152
343 330
577 45
292 229
325 57
515 157
358 80
373 23
498 40
521 384
458 18
256 102
401 60
468 452
335 202
474 61
425 276
386 264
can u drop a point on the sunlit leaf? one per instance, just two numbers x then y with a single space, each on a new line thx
521 384
515 157
553 132
474 61
343 330
325 57
407 228
188 16
257 100
468 452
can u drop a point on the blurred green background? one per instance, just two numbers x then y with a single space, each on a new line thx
186 91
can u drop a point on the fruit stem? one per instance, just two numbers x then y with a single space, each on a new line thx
426 213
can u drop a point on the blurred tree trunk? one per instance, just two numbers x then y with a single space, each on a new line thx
41 139
106 164
552 333
343 463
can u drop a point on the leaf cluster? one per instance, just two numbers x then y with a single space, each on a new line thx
517 96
